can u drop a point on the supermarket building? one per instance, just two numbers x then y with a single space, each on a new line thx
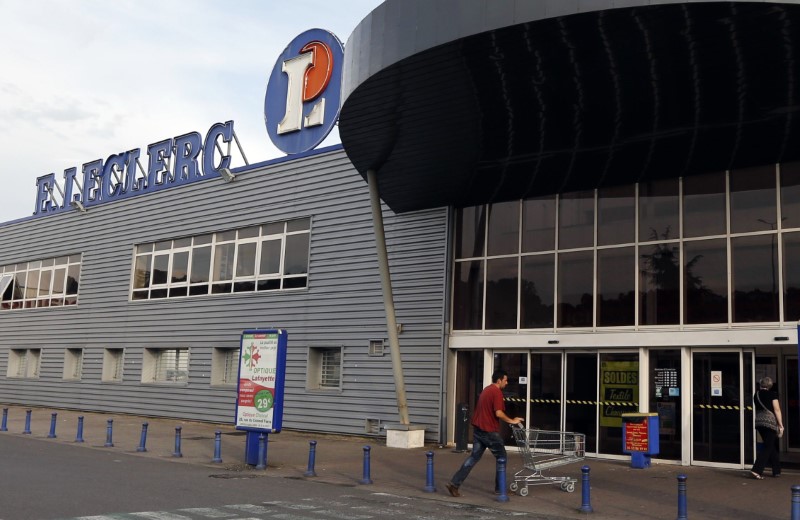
601 197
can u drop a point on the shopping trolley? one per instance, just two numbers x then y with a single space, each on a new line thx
542 450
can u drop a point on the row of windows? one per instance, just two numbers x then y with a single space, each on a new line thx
258 258
719 248
42 283
171 366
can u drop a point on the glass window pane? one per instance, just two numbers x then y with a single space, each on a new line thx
275 228
616 275
270 257
575 276
160 268
141 273
223 261
141 248
180 267
753 199
537 299
182 242
300 224
201 264
501 293
246 259
72 279
32 289
791 276
704 205
539 224
658 210
580 410
250 232
468 295
226 236
164 245
665 400
470 231
619 391
202 239
790 194
44 283
295 259
659 284
59 277
503 228
705 284
755 278
616 215
576 220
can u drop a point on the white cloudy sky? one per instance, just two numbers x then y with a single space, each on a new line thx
84 79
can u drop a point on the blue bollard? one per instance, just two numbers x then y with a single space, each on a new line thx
429 487
501 480
795 502
586 499
365 479
217 447
52 434
262 452
682 497
109 434
4 426
27 429
177 452
142 439
312 452
79 435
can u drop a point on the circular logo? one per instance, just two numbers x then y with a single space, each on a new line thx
304 91
264 401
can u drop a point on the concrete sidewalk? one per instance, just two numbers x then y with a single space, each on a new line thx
617 491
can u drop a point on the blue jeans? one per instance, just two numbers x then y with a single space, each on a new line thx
480 441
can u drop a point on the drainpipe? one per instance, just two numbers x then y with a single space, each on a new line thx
388 298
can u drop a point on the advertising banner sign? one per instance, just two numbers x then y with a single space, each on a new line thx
262 373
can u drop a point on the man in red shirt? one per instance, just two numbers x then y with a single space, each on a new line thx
489 411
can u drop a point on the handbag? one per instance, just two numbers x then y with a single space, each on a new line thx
765 418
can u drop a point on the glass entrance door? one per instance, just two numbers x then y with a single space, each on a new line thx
790 409
718 405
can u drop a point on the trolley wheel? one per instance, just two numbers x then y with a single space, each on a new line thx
570 487
563 485
513 486
523 492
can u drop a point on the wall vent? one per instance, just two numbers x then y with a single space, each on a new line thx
372 426
376 347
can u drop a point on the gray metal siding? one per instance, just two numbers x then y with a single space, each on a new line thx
342 305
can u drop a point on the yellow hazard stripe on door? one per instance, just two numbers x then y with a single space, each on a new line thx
720 407
570 401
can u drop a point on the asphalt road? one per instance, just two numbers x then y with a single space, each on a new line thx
47 481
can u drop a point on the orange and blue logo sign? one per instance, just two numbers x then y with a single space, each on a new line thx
304 91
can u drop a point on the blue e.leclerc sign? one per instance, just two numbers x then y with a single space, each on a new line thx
304 91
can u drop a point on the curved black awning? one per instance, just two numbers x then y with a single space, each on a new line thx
545 104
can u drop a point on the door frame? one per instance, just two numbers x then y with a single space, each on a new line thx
689 404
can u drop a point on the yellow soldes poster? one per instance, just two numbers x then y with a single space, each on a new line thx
619 391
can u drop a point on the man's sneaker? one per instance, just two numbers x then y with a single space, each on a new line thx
453 490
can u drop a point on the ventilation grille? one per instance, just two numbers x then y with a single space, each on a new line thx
372 426
376 347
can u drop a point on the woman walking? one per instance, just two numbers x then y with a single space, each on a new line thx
765 401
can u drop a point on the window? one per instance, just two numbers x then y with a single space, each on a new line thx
325 368
225 366
52 282
73 363
167 365
24 363
271 257
112 365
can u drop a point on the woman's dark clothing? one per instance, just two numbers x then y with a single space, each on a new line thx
770 454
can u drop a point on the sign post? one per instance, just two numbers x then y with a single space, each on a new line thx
259 396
